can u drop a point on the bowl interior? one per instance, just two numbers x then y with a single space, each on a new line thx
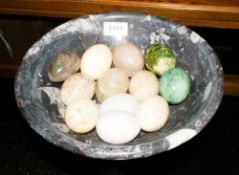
38 98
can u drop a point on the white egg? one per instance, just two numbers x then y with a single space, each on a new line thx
144 84
77 86
81 115
152 113
96 60
119 102
117 127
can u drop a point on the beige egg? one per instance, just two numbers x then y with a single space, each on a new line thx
96 60
81 115
77 86
117 127
112 82
144 84
128 57
152 113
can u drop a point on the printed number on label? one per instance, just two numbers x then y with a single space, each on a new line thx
115 28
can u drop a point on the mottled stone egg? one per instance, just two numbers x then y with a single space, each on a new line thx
159 58
77 86
81 115
63 65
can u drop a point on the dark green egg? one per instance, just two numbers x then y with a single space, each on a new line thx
175 85
159 58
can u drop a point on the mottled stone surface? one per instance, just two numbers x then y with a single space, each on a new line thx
37 98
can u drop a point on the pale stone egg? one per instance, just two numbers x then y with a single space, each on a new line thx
81 115
77 86
144 84
152 113
112 82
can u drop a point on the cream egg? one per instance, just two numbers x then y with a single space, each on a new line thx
117 127
96 60
81 115
152 113
144 84
128 57
77 86
112 82
119 102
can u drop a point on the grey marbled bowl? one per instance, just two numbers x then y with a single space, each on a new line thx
38 98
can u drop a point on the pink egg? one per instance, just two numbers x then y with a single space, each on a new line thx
128 57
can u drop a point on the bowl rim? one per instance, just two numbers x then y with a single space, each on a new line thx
121 152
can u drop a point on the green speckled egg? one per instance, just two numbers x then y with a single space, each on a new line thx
175 85
159 58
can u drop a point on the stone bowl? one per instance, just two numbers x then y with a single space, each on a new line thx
39 101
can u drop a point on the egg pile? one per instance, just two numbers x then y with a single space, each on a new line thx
111 91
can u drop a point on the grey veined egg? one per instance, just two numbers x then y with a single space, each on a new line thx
63 65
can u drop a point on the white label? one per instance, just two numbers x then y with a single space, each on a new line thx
115 29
